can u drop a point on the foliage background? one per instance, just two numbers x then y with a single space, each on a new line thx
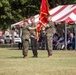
12 11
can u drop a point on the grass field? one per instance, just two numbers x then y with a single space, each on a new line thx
61 63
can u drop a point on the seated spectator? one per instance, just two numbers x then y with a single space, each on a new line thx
60 42
71 41
1 40
41 42
7 32
55 38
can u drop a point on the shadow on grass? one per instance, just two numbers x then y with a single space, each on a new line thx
14 57
29 57
14 49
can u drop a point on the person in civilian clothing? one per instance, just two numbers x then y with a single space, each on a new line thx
71 41
61 42
20 34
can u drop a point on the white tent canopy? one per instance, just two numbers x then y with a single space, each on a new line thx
59 13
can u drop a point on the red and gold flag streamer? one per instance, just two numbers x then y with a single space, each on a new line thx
44 12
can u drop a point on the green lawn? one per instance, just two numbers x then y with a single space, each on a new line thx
61 63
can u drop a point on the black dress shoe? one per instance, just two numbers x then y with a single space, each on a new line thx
34 56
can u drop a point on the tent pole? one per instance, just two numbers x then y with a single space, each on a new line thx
65 36
75 37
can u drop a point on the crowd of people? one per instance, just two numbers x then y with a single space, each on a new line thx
48 38
59 41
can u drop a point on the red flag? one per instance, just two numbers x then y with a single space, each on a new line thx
44 12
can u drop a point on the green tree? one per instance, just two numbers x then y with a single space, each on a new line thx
5 13
16 10
12 11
